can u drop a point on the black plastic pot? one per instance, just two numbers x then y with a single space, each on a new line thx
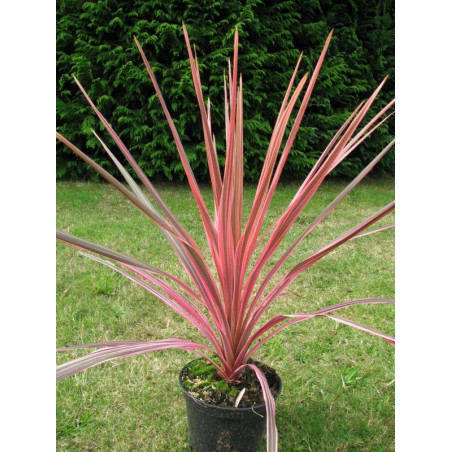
213 428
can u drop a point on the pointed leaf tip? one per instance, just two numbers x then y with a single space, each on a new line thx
137 43
328 39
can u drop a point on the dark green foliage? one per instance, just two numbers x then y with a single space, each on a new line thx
95 43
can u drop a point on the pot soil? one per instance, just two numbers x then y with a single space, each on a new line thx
214 424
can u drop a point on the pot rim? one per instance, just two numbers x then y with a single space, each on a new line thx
224 408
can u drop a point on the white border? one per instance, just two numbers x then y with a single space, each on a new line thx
27 330
424 225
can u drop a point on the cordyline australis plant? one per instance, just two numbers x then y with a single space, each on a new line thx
226 304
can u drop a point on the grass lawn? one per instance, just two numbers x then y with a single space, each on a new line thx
338 383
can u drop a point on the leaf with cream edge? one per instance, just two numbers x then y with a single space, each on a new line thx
227 302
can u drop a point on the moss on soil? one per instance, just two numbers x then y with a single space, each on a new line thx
201 380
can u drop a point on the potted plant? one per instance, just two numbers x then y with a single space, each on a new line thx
227 303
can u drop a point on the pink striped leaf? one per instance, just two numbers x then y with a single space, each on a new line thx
270 407
167 212
320 218
302 198
246 353
122 351
295 127
109 253
364 328
176 246
212 158
190 255
265 196
309 189
272 432
144 207
122 258
207 222
255 314
313 170
374 231
173 298
197 263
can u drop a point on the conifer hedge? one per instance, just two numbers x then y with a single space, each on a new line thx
95 43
